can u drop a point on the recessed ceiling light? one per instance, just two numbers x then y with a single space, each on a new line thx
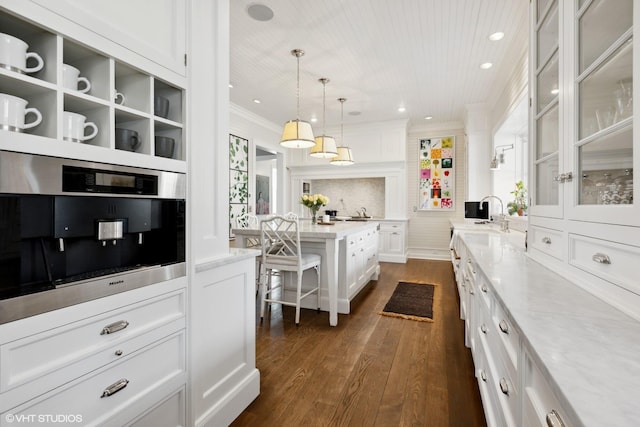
555 91
260 12
496 36
428 117
257 101
401 109
486 65
230 85
314 119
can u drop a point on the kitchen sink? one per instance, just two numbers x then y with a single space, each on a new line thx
360 218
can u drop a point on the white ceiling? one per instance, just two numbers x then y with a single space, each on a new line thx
379 54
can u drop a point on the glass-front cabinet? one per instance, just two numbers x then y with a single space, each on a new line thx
604 142
546 155
584 148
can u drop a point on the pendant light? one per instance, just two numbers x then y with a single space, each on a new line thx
325 145
345 156
297 133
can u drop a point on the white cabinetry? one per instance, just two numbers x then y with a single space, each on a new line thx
584 211
121 356
393 241
540 406
362 260
159 37
493 340
107 74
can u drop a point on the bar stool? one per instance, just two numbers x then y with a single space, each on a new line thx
280 241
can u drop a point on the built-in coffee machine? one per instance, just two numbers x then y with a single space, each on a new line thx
73 231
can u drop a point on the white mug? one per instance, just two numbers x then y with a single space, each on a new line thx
74 127
118 98
71 78
326 218
13 112
14 56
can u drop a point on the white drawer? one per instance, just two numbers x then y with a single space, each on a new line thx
508 338
70 351
490 402
614 262
390 226
506 390
547 240
169 413
144 374
539 404
485 292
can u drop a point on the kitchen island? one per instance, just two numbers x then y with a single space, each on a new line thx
349 252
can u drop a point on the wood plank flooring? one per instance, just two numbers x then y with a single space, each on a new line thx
370 370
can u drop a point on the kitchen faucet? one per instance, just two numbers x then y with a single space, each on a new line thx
362 212
504 224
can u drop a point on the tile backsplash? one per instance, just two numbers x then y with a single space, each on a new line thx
348 195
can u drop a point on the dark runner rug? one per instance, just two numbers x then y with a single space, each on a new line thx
412 301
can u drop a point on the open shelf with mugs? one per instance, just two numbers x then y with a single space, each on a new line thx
30 50
132 88
56 88
132 132
85 71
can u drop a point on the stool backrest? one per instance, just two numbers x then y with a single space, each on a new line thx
280 240
249 221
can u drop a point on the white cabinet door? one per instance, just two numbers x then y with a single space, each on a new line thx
155 30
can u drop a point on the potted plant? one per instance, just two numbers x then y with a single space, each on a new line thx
519 203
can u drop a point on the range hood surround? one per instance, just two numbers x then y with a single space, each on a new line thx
394 174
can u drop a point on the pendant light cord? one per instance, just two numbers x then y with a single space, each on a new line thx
298 89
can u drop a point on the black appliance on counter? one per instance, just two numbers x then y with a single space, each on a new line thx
72 231
478 210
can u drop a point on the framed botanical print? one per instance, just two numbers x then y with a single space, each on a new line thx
437 174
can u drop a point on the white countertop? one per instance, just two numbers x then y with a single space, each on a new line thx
589 349
337 230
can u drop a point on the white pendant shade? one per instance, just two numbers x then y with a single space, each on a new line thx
297 134
325 147
344 157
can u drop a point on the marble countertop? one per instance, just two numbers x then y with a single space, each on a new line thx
337 230
589 349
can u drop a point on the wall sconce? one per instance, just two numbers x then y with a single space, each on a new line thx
498 158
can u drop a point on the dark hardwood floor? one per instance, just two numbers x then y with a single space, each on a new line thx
370 370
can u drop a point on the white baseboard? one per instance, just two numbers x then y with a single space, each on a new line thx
434 254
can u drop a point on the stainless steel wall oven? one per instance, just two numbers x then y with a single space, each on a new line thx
72 231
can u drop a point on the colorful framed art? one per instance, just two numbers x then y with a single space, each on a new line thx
437 174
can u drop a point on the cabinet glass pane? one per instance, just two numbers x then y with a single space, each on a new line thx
547 86
605 95
546 187
606 170
542 6
547 133
547 36
603 23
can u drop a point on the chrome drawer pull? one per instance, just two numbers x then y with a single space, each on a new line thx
504 327
114 327
504 387
554 420
471 291
601 258
483 328
118 353
115 387
483 376
546 240
484 288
